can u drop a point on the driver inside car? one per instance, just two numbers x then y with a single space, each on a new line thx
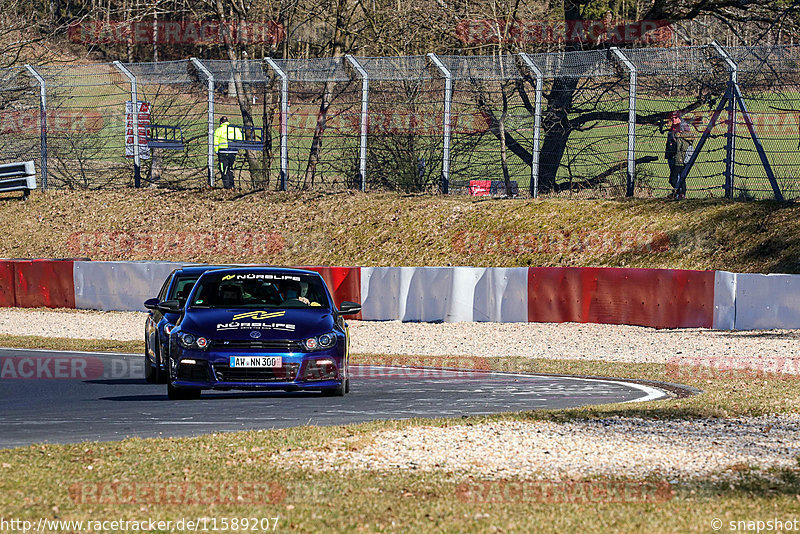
292 294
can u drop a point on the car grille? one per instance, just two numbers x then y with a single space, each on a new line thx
287 373
282 345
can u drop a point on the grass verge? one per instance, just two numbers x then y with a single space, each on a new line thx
67 343
192 477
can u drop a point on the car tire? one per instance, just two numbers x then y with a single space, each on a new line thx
347 386
174 393
162 377
151 374
338 391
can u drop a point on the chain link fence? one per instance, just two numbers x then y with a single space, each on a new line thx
584 124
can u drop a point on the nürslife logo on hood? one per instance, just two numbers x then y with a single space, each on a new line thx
259 315
260 276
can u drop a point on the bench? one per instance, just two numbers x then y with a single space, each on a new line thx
18 177
166 137
253 137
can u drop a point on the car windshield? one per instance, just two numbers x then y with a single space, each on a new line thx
260 290
181 288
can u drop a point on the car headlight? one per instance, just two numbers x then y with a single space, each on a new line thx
190 341
325 341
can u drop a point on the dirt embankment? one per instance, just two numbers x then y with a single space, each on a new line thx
353 228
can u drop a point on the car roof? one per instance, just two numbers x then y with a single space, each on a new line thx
198 269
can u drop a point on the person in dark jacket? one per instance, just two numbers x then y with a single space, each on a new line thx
677 153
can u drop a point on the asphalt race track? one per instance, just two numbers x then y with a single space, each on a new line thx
65 397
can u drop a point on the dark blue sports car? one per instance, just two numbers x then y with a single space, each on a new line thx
258 328
160 323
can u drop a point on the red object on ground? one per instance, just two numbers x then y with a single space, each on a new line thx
44 283
480 188
7 298
343 282
659 298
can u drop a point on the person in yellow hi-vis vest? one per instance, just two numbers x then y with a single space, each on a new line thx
226 156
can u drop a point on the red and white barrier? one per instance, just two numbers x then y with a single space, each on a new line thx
37 283
343 282
659 298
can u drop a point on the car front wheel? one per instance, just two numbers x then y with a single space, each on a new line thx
174 393
338 391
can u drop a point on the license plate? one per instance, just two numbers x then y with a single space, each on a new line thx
256 361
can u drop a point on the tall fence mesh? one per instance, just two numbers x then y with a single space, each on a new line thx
20 117
604 121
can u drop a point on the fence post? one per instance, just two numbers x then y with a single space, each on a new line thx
364 118
730 145
284 121
137 173
631 119
42 122
537 122
210 78
448 97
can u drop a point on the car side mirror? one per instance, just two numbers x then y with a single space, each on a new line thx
169 306
349 308
151 304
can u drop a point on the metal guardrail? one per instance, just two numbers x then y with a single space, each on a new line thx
18 177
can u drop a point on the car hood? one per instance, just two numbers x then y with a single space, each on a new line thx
235 324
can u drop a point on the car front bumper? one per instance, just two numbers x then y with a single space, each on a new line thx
298 371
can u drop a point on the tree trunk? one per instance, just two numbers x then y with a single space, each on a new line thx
156 165
322 116
555 120
316 141
555 124
503 145
242 96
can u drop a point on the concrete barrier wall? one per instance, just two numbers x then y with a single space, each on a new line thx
765 301
118 285
660 298
448 294
724 300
